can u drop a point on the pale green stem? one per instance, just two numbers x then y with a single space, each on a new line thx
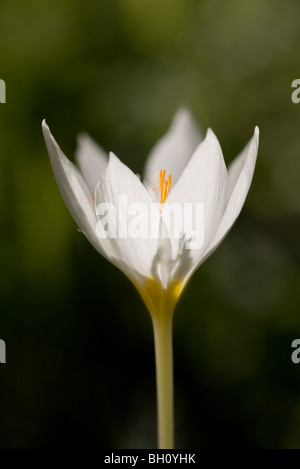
162 327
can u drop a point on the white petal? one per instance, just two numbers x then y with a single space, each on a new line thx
240 174
75 192
91 160
134 256
203 181
173 151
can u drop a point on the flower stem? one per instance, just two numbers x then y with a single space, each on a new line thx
162 327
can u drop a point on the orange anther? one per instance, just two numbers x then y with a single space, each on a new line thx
164 185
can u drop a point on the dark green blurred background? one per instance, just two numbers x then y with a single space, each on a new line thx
80 363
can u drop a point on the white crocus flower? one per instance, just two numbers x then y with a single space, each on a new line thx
199 175
158 267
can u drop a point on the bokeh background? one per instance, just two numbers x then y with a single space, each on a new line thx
80 363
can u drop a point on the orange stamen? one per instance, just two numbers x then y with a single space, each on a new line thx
164 185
